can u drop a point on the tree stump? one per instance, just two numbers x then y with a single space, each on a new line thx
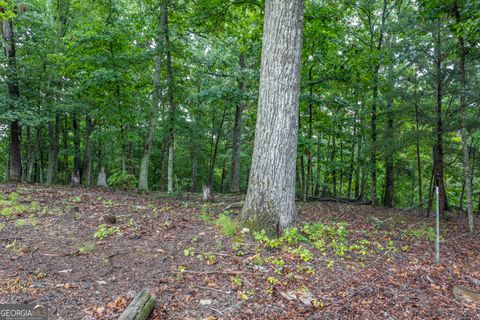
75 181
466 294
102 178
207 194
140 307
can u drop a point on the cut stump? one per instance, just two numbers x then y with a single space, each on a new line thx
140 307
466 294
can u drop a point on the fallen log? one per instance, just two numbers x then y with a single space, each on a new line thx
340 200
466 294
140 307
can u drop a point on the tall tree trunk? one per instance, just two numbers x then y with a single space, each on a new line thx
53 149
334 166
39 154
15 148
465 138
65 148
352 156
76 150
319 166
89 151
193 187
270 200
237 131
213 158
389 150
152 123
417 143
30 157
376 75
438 165
171 142
373 155
309 152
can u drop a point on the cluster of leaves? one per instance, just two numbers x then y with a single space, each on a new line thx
423 232
10 207
104 232
321 236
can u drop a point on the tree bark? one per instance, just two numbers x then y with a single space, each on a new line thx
15 148
464 132
389 168
89 151
76 175
171 130
438 165
237 131
53 149
417 143
152 123
213 158
270 199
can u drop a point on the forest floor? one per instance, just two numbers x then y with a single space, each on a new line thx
346 262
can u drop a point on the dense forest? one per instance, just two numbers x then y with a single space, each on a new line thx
163 95
240 159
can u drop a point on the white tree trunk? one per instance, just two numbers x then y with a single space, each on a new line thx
170 169
270 200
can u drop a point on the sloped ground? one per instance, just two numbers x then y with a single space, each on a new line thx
379 266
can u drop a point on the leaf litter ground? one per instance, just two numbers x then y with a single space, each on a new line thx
367 263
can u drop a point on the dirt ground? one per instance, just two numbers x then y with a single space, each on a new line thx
49 255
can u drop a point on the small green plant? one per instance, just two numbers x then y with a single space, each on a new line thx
209 257
21 223
103 231
303 253
189 252
228 225
2 226
423 232
272 280
86 248
237 281
13 197
7 212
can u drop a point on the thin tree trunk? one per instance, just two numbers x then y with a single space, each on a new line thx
39 154
76 150
417 142
464 133
389 174
439 121
171 142
334 166
213 159
237 131
319 166
89 151
15 148
30 157
152 123
270 200
53 149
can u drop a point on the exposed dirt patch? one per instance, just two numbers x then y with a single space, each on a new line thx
167 245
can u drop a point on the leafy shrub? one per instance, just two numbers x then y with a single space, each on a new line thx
122 180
